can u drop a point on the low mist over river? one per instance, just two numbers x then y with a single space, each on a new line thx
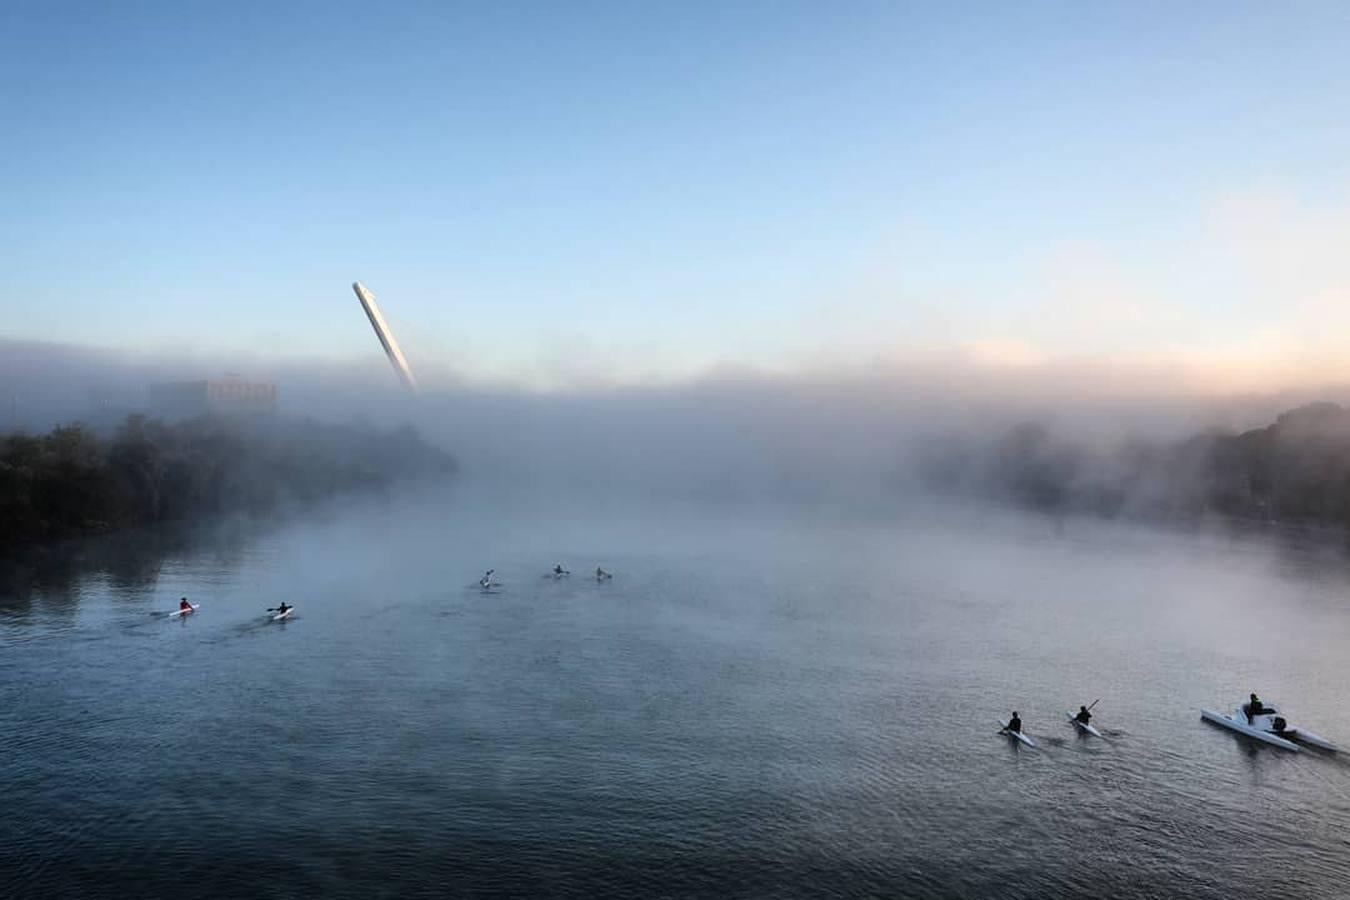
766 700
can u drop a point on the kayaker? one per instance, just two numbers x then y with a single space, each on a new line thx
282 608
184 606
1083 715
1254 708
559 571
486 580
601 574
1014 724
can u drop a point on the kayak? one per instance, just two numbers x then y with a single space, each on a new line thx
1019 736
1239 724
282 616
183 612
1083 727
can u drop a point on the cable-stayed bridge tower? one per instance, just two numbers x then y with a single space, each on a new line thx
386 336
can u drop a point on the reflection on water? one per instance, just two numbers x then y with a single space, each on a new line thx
122 566
762 702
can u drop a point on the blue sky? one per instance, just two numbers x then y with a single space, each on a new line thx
548 193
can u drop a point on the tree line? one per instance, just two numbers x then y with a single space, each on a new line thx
74 481
1296 469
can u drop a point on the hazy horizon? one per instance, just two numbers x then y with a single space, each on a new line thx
737 435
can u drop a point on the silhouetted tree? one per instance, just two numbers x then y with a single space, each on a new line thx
71 482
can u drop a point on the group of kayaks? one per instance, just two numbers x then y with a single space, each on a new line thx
1081 721
1252 719
557 572
278 614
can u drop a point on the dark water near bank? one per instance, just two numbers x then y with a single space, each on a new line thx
761 703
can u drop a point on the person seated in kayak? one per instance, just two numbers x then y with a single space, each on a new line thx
559 570
282 608
601 574
1255 708
1083 715
1014 724
486 580
183 605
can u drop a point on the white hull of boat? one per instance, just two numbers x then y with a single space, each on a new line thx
1312 740
1241 727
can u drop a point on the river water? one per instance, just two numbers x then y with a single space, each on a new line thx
763 702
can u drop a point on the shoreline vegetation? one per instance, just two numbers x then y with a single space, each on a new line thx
1295 471
75 481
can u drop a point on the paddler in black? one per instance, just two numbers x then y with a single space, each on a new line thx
486 580
1014 724
1083 715
559 571
283 607
1254 708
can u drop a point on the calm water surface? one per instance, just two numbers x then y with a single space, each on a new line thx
761 703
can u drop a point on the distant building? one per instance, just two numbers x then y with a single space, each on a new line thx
232 396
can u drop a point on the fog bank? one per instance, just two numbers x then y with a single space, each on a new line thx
732 433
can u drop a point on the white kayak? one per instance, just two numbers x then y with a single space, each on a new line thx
283 616
183 612
1083 727
1019 735
1239 724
